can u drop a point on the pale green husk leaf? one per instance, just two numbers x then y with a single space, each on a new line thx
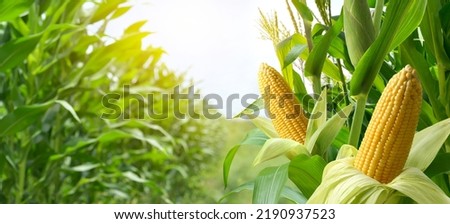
346 151
426 144
276 147
344 184
265 125
415 184
327 132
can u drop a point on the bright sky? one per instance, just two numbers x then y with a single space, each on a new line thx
216 41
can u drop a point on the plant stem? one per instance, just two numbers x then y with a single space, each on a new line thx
344 86
442 86
22 175
317 87
358 118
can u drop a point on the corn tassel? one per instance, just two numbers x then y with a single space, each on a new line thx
284 109
387 141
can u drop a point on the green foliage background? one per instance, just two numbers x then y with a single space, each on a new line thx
56 65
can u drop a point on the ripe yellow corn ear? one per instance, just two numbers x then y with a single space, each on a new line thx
388 138
284 109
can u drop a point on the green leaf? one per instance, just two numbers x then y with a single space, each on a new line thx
324 136
409 15
293 195
120 11
120 50
433 39
306 173
411 56
247 186
431 30
276 147
331 70
378 83
402 18
69 108
119 193
70 148
287 192
338 49
16 51
142 125
149 139
84 167
113 135
443 182
293 54
299 86
105 8
135 27
427 116
318 115
249 112
269 183
359 29
341 138
265 125
22 117
441 164
283 49
9 10
372 3
227 164
134 177
316 59
416 185
303 10
82 182
254 137
426 144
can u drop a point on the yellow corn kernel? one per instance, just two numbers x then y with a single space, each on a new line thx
388 138
284 109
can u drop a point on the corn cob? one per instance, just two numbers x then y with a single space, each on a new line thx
284 109
387 141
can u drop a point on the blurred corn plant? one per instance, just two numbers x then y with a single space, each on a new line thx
340 61
61 142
